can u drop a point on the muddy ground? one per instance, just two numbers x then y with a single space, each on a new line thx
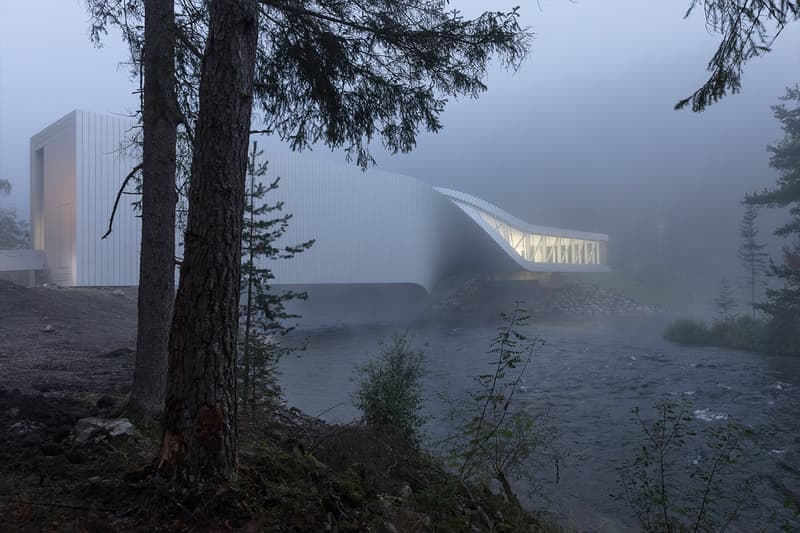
65 354
73 341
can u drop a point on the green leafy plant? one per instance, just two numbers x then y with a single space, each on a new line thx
389 392
665 498
500 438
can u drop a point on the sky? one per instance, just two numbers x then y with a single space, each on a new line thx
583 135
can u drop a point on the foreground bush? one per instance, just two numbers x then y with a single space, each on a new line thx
501 437
663 495
389 393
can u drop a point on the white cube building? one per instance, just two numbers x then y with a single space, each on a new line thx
78 164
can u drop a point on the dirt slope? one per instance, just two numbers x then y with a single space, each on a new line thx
66 340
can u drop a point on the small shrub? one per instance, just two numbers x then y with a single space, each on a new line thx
662 494
257 368
741 333
502 439
782 333
389 393
685 331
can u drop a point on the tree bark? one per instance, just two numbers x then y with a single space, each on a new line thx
157 259
199 427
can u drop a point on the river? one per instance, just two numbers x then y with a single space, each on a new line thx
589 375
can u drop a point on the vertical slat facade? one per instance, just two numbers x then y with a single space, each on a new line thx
106 155
368 227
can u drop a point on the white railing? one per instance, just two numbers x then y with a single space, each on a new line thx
15 260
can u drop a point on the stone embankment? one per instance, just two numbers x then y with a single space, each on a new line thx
538 299
588 300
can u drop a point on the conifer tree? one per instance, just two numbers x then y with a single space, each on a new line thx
340 73
751 253
783 303
748 29
264 314
725 302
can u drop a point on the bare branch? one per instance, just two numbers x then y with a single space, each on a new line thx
187 43
130 175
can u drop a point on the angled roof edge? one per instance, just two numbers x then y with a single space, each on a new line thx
471 201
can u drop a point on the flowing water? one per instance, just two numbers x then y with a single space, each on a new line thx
588 376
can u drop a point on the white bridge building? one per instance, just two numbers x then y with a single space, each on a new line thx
370 227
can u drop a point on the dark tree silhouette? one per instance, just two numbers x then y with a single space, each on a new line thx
783 303
748 29
339 72
363 70
751 253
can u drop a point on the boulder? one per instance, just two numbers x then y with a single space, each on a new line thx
93 428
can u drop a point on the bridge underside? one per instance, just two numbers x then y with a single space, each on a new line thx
534 248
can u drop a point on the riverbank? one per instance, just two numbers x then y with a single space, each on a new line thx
590 374
68 463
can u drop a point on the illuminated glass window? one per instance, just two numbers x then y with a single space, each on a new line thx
553 249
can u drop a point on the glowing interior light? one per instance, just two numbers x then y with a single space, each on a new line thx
537 248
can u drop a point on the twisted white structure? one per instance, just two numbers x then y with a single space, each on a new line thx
369 227
379 227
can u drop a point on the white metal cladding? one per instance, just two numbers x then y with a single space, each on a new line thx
368 227
77 166
105 155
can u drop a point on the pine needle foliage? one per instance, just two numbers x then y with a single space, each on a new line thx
342 73
725 302
751 254
783 303
748 28
264 316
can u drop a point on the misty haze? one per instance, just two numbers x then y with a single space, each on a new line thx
338 266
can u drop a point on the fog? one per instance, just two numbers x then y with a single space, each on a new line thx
583 136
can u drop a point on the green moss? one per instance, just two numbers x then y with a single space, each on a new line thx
350 485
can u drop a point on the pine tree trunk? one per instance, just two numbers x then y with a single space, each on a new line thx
157 260
199 422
